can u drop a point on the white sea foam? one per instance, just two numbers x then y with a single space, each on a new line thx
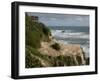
69 34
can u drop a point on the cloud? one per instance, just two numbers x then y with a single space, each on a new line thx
62 19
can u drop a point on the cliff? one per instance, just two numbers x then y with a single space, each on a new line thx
44 51
74 52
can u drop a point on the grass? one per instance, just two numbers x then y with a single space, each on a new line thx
35 33
31 61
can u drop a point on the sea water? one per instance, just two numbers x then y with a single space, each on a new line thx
72 35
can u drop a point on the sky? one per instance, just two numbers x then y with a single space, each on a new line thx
53 19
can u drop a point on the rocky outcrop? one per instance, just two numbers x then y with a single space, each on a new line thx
73 51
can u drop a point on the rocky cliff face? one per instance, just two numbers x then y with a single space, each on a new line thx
71 54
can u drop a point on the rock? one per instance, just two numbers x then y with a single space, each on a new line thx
74 51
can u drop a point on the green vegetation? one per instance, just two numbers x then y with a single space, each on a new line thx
35 33
56 46
31 61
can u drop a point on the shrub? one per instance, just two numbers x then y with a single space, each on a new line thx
35 32
45 29
56 46
31 61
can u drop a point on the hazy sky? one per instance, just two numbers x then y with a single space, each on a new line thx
51 19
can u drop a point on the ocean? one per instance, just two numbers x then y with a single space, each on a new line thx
72 35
